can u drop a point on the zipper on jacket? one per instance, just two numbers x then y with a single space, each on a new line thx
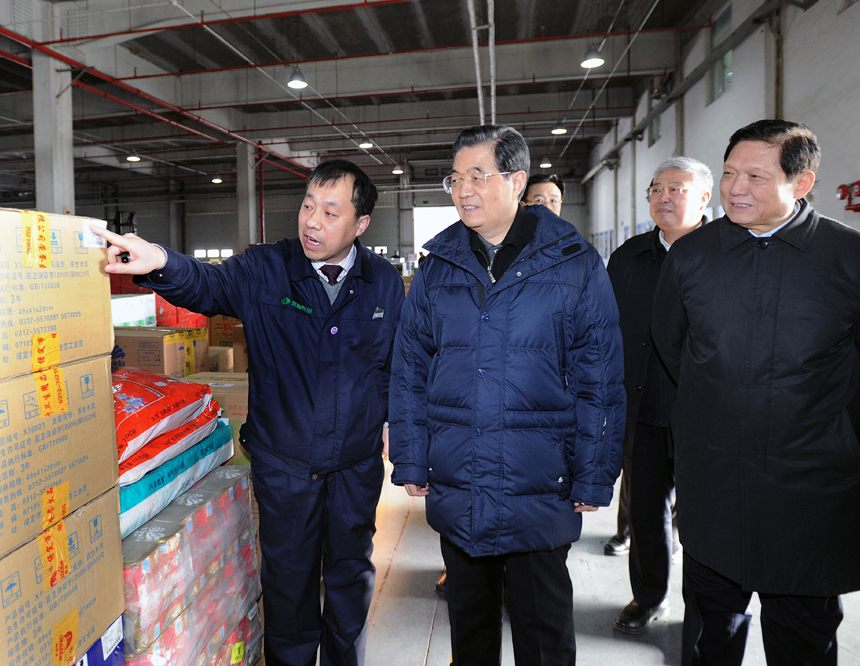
603 429
489 265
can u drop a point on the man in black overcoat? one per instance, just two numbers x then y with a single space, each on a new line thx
757 315
678 196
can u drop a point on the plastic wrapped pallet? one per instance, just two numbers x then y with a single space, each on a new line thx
191 572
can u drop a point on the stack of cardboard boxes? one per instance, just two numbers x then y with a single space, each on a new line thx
60 552
153 334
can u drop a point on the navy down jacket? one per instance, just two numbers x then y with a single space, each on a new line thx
507 398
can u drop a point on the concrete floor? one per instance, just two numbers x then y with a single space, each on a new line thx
409 622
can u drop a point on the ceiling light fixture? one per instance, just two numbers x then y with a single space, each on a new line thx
132 157
397 170
217 180
592 58
365 143
558 130
545 163
297 80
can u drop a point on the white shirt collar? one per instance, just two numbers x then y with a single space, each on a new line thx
346 264
768 234
666 245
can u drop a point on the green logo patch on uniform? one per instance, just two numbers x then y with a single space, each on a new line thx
298 306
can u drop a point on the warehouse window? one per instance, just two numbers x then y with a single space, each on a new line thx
212 255
429 221
721 75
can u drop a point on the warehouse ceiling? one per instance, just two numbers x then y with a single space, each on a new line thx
182 83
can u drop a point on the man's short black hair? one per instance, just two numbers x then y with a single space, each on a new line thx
364 194
511 149
545 178
798 147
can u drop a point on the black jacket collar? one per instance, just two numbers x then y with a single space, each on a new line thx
520 234
798 232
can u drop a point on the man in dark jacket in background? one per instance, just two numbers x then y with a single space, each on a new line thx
507 408
678 195
546 190
320 313
757 315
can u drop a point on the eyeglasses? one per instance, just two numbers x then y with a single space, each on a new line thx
477 178
673 191
538 199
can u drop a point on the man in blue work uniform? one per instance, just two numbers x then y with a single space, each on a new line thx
319 312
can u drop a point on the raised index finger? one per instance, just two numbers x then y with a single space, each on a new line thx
110 236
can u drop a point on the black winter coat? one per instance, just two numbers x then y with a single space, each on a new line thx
634 270
763 334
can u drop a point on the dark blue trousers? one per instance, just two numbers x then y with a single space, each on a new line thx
307 525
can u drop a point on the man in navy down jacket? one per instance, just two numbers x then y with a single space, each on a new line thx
319 353
507 406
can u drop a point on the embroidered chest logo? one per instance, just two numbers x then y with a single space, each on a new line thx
298 306
378 313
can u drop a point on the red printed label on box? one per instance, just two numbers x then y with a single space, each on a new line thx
51 392
36 232
55 504
46 351
54 548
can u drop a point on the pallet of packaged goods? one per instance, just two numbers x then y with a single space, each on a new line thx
191 575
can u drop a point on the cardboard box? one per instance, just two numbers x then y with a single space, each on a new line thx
175 352
54 611
54 293
240 349
220 359
231 391
221 331
124 284
187 319
132 309
47 461
107 650
165 313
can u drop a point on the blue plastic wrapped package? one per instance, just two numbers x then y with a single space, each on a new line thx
143 499
107 650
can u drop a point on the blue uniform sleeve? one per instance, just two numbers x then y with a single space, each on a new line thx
223 289
598 366
414 349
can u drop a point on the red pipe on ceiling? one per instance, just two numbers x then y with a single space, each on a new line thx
135 91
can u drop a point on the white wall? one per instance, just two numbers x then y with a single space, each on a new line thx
821 88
